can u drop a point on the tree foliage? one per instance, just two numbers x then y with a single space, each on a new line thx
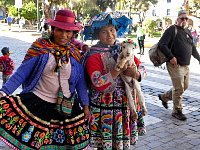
196 5
29 11
143 5
150 26
12 11
85 8
103 4
7 2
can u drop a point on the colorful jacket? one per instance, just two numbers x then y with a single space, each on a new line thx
7 65
96 68
30 71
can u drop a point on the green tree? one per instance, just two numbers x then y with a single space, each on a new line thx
103 4
194 7
29 11
141 6
6 3
150 26
81 7
12 10
85 8
48 6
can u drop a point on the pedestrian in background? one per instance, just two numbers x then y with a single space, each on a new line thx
194 36
6 64
112 125
46 30
21 23
9 20
140 37
52 78
42 23
179 60
198 41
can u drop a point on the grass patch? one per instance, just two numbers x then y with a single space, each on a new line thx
148 45
131 36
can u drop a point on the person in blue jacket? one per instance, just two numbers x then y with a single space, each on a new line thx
32 119
9 20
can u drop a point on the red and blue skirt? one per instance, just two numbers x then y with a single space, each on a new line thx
28 122
112 126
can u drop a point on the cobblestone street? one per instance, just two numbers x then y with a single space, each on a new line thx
163 131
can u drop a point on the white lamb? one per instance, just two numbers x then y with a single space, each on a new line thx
132 86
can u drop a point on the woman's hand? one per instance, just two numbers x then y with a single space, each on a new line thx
115 72
132 72
87 114
85 48
1 95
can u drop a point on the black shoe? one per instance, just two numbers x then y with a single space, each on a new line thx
179 115
138 53
163 103
142 54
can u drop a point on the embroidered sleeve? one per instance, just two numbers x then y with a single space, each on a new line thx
100 79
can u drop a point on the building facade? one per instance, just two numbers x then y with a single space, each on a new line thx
165 13
2 13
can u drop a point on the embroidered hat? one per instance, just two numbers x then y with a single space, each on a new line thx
120 22
5 50
182 12
65 19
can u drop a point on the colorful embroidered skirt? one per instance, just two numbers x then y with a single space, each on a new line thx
111 124
20 128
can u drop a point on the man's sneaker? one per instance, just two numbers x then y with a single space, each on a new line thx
179 115
163 102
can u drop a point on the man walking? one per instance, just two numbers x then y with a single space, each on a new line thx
179 59
9 22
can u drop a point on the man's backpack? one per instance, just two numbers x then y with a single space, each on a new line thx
156 56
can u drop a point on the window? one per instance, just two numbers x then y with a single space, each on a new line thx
153 12
168 12
168 1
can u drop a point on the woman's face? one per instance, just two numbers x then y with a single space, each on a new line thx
107 35
61 37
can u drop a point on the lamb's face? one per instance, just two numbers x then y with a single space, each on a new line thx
127 49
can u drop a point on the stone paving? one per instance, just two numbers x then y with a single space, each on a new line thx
163 131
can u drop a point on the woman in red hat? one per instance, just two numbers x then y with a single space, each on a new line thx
52 111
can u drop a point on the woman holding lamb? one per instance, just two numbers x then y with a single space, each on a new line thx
112 125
